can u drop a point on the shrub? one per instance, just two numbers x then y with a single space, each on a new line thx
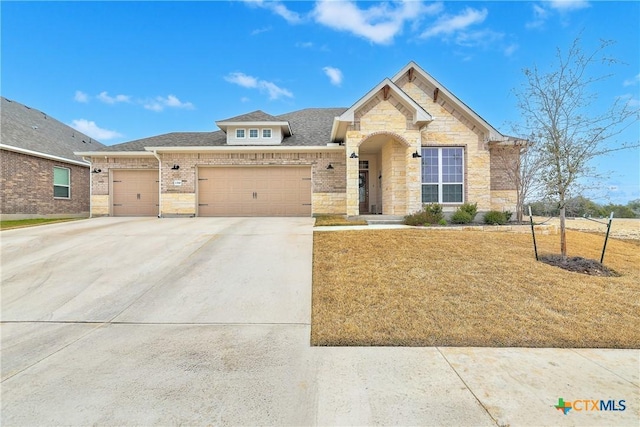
507 215
471 209
430 214
461 217
495 217
442 222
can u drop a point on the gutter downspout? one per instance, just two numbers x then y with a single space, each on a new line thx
155 154
90 186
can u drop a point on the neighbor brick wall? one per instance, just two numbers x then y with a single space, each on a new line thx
26 187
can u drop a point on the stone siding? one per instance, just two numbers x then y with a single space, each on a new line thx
329 203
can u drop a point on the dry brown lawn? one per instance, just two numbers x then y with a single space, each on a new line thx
421 287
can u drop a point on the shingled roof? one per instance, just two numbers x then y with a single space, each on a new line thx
310 127
26 128
254 116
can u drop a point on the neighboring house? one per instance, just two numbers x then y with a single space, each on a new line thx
407 142
40 176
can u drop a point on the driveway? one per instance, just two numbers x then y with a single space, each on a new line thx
206 321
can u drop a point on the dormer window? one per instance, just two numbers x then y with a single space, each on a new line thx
240 133
253 133
266 133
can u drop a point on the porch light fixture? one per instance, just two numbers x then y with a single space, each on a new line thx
354 155
96 170
175 167
416 155
330 166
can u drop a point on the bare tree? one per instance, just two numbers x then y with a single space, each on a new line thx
518 162
568 125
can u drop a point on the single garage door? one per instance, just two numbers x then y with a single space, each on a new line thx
135 192
254 191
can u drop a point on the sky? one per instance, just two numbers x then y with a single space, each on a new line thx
120 71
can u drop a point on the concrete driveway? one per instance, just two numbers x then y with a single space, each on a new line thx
206 321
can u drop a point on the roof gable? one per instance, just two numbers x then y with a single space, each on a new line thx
413 73
256 118
388 88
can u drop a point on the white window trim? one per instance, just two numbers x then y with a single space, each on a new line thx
270 134
257 133
440 183
244 132
67 186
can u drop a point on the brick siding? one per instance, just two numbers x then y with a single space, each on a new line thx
27 187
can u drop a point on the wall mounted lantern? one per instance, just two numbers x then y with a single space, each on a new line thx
175 167
330 166
354 155
416 155
96 170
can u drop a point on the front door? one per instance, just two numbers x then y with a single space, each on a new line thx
363 189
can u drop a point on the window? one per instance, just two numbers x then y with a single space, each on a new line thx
61 183
442 175
253 133
266 133
240 133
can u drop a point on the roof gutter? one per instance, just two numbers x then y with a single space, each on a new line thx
43 155
246 148
90 187
155 154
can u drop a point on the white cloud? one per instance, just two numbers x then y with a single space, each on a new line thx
543 11
304 45
378 24
334 74
510 49
80 96
251 82
260 30
104 97
242 79
448 24
540 15
159 103
274 91
90 128
278 8
632 81
568 5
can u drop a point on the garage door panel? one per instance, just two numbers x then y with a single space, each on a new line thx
254 191
135 192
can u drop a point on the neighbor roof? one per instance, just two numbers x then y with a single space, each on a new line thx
310 127
26 128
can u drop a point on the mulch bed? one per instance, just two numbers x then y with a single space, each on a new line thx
579 265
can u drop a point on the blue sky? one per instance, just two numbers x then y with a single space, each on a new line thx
120 71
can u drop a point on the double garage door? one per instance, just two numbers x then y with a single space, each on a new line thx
254 191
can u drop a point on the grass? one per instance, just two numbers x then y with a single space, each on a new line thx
19 223
334 220
421 287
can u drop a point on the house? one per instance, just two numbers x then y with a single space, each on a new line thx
40 176
406 142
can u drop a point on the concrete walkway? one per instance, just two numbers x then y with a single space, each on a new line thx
206 321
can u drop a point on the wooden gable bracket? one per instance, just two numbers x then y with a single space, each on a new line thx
436 91
411 74
386 92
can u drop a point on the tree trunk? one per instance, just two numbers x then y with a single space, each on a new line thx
563 234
